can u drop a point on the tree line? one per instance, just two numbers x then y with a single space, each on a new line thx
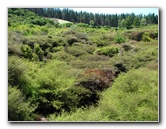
112 20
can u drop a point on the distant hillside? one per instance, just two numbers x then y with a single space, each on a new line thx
113 20
17 16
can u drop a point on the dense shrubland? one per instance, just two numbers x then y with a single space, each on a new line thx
77 72
132 97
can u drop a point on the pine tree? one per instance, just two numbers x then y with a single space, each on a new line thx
129 22
136 22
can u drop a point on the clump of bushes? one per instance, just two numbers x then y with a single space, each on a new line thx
35 55
62 56
14 49
73 36
76 51
99 41
94 57
38 53
136 35
27 51
108 37
119 39
146 37
132 97
56 91
21 74
14 42
19 109
50 87
134 58
67 24
141 35
87 47
82 25
71 39
107 51
31 40
97 79
127 47
47 43
82 37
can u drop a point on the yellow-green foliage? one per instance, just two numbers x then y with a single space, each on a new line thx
50 86
146 37
135 58
76 51
18 108
27 30
119 38
48 65
21 73
62 56
132 97
107 51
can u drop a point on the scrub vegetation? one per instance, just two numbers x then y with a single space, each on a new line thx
87 69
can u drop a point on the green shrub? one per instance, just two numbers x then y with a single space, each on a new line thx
153 65
62 56
52 88
88 48
27 51
71 39
119 39
146 37
67 24
41 21
21 73
94 57
134 96
90 64
15 70
99 41
14 43
155 34
44 29
14 49
82 25
108 37
134 58
142 35
107 51
81 37
56 49
38 51
18 108
127 47
57 91
76 51
69 32
47 43
35 55
32 40
135 35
